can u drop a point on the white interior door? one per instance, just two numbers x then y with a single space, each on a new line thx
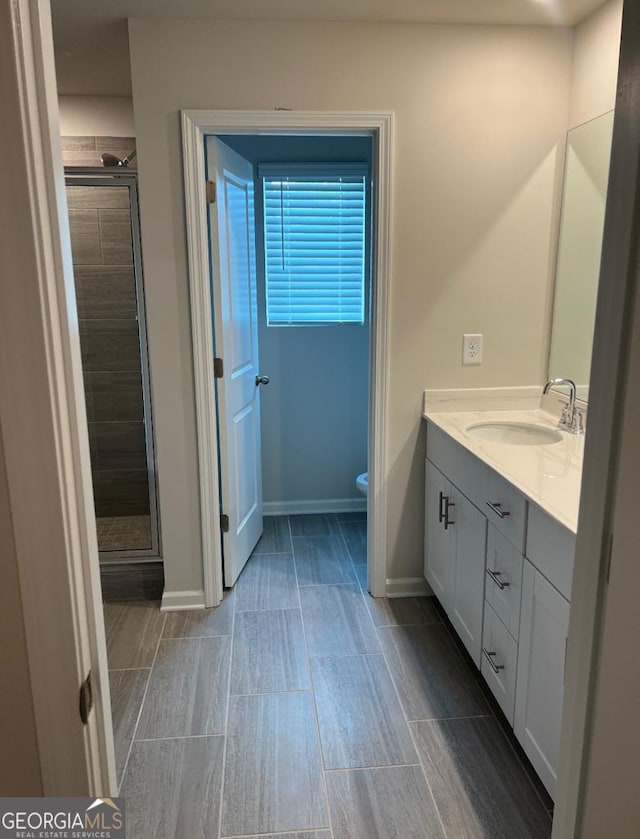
232 228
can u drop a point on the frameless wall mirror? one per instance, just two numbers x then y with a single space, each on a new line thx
580 245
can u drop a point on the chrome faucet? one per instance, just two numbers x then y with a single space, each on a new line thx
572 419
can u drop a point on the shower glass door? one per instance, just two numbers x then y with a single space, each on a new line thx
105 242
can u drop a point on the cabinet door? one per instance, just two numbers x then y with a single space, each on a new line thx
469 531
540 681
438 560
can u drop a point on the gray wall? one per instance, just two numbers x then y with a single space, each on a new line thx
314 411
100 223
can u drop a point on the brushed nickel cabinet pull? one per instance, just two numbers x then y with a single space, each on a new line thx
495 575
495 506
489 656
447 520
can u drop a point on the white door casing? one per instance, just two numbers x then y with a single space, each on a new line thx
44 423
235 314
196 127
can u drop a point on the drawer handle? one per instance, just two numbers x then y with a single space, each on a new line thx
489 656
495 506
495 576
440 510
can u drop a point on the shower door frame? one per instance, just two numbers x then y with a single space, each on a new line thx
98 177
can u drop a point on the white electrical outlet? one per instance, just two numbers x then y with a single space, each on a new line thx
472 349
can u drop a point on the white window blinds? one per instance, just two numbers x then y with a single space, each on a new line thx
315 244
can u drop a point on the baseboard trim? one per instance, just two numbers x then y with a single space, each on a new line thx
321 505
174 601
408 587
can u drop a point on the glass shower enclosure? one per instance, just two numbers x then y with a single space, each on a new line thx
107 264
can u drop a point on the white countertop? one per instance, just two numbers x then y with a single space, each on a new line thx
550 475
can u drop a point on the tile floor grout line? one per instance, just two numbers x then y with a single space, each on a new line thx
346 547
226 719
196 637
144 696
178 737
413 740
285 834
344 655
364 591
403 625
126 669
325 585
269 693
313 693
376 766
449 719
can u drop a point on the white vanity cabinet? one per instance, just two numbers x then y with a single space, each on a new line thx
502 567
455 548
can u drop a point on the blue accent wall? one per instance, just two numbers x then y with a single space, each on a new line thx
315 409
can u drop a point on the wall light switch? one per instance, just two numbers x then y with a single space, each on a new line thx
471 349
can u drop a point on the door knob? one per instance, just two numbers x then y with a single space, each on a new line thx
262 380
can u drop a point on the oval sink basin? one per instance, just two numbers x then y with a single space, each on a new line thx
514 433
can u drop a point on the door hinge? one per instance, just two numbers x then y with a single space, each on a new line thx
218 368
211 192
86 699
224 522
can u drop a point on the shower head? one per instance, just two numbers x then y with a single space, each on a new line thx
110 160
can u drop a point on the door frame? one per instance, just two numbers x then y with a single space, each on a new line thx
611 391
44 424
196 125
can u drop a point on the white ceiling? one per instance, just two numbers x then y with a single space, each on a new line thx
92 55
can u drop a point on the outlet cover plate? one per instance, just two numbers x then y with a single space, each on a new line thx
472 349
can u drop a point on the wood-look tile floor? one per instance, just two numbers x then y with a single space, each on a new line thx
302 708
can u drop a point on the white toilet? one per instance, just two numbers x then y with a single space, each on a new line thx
362 483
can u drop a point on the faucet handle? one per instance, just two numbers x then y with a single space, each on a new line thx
577 423
566 419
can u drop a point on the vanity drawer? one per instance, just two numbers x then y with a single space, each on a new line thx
551 548
463 469
499 661
506 509
503 584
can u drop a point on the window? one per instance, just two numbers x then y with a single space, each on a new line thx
315 243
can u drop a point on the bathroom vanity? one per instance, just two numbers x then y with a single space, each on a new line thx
502 496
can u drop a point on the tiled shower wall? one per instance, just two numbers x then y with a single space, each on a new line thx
100 222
